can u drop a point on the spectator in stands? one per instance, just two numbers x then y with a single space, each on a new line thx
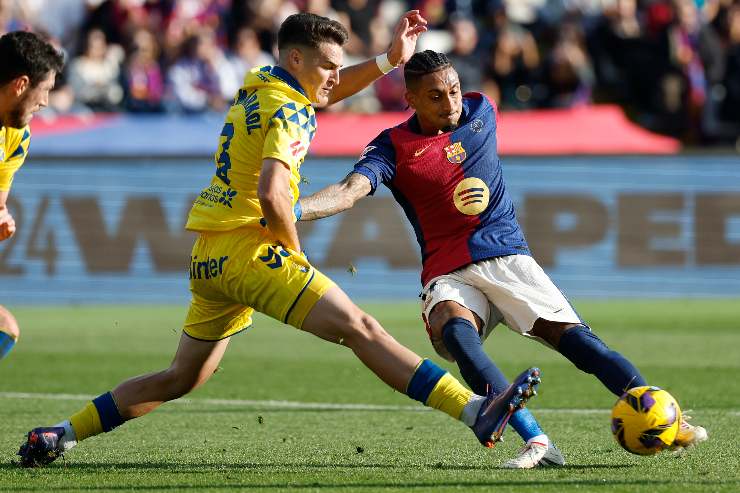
463 55
697 61
568 74
512 69
360 14
62 100
263 16
197 75
625 59
245 54
662 60
144 81
389 90
730 111
58 19
94 75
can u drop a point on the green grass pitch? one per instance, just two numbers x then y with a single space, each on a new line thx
228 437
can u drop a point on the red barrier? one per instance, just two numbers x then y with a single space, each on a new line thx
587 130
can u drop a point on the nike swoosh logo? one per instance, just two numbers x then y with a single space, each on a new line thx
421 151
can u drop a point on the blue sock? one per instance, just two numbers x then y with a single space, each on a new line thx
108 411
423 381
6 344
463 342
585 350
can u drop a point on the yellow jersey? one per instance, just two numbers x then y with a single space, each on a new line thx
13 150
270 117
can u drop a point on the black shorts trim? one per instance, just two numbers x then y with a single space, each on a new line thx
287 314
216 340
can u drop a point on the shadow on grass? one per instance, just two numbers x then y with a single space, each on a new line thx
376 486
62 472
186 468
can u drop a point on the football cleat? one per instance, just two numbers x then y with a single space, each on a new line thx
496 410
536 454
688 435
42 447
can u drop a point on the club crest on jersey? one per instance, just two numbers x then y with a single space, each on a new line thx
456 153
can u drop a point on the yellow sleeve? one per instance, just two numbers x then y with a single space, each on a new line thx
15 154
285 140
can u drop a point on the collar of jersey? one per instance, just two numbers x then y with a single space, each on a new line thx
283 75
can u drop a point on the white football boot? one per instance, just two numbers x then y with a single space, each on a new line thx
536 453
688 435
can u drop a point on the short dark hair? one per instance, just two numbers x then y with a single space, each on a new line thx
26 53
306 29
422 63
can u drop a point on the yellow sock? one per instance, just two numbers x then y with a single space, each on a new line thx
86 422
449 396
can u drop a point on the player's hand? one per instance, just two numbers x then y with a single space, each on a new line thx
7 224
405 35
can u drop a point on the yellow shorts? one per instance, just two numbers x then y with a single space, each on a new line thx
234 273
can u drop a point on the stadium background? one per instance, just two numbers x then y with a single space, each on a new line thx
618 132
626 179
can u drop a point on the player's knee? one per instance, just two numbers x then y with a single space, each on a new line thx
440 314
552 332
445 311
363 328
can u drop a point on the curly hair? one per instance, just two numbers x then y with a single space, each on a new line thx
306 29
422 63
26 53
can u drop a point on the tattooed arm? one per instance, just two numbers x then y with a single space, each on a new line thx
335 198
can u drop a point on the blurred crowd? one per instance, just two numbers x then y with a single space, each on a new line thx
673 65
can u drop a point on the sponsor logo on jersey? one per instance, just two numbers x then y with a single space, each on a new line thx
456 153
296 148
476 125
471 196
207 268
215 194
226 197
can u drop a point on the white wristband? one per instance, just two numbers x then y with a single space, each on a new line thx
383 63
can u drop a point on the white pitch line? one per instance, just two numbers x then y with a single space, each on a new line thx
318 406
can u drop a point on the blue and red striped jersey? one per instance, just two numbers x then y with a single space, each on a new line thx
451 188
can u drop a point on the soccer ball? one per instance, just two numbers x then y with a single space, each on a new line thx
645 420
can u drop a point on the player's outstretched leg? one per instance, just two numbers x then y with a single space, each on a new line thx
9 331
591 355
335 318
463 343
193 364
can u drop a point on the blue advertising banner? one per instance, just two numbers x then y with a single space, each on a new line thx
108 230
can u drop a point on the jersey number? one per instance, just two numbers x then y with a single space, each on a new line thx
223 164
